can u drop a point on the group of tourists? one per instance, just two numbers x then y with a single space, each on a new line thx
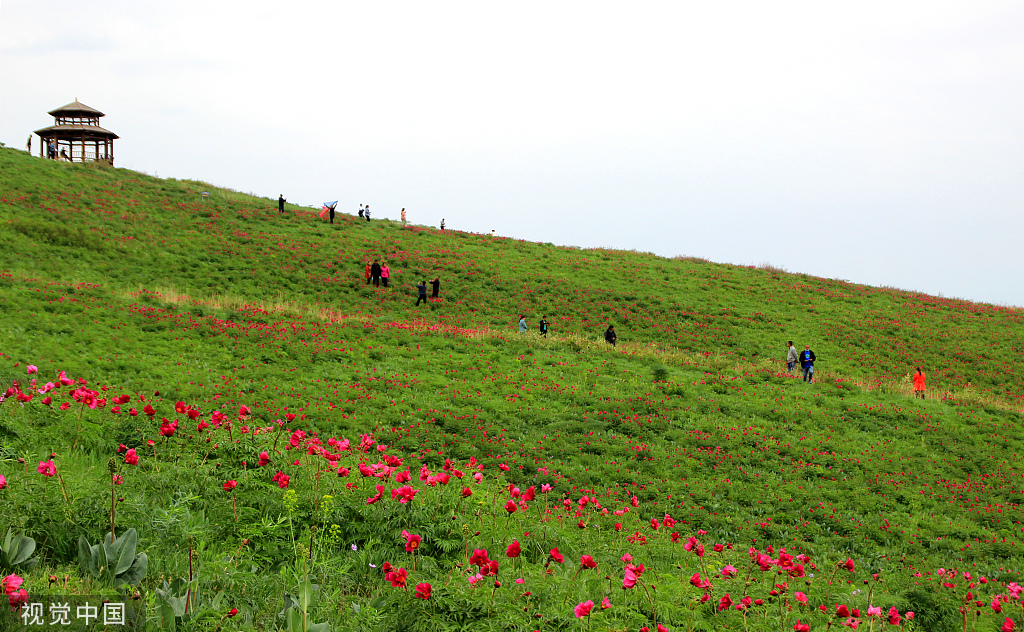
609 334
806 360
379 274
542 325
421 290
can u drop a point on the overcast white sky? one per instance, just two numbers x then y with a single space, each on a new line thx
880 142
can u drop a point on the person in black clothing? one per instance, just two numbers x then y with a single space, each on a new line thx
422 289
442 223
331 211
281 201
807 362
435 287
543 326
360 210
609 335
375 273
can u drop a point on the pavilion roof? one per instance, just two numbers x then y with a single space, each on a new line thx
90 131
75 108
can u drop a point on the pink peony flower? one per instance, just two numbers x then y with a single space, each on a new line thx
583 609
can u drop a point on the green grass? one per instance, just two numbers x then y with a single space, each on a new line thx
132 282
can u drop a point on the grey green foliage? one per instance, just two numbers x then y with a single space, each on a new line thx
17 551
113 562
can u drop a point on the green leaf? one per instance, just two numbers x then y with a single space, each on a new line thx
305 595
165 613
120 553
136 571
295 620
319 627
23 548
87 558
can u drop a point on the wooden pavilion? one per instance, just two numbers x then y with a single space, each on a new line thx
76 135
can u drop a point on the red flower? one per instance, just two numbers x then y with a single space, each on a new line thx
232 612
397 578
377 496
513 549
510 507
228 486
583 609
130 457
149 410
479 557
848 565
629 580
412 541
264 458
466 492
282 479
842 611
47 468
556 556
404 494
894 616
167 428
801 627
587 561
724 602
422 591
1007 626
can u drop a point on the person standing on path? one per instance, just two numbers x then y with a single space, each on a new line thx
361 211
422 290
919 384
792 357
331 211
522 324
609 335
28 144
442 223
281 201
543 326
807 362
385 274
375 273
435 287
367 273
403 218
51 150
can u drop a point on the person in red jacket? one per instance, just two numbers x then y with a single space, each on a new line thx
919 384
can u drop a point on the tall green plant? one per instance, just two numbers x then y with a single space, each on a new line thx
17 550
113 562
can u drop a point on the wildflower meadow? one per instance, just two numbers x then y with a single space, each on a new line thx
208 415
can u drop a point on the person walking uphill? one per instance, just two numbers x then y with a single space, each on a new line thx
919 384
367 273
280 203
609 335
422 290
792 357
522 324
375 273
807 362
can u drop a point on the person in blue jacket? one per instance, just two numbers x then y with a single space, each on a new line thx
807 362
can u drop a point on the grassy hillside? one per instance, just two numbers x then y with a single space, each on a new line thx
256 332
